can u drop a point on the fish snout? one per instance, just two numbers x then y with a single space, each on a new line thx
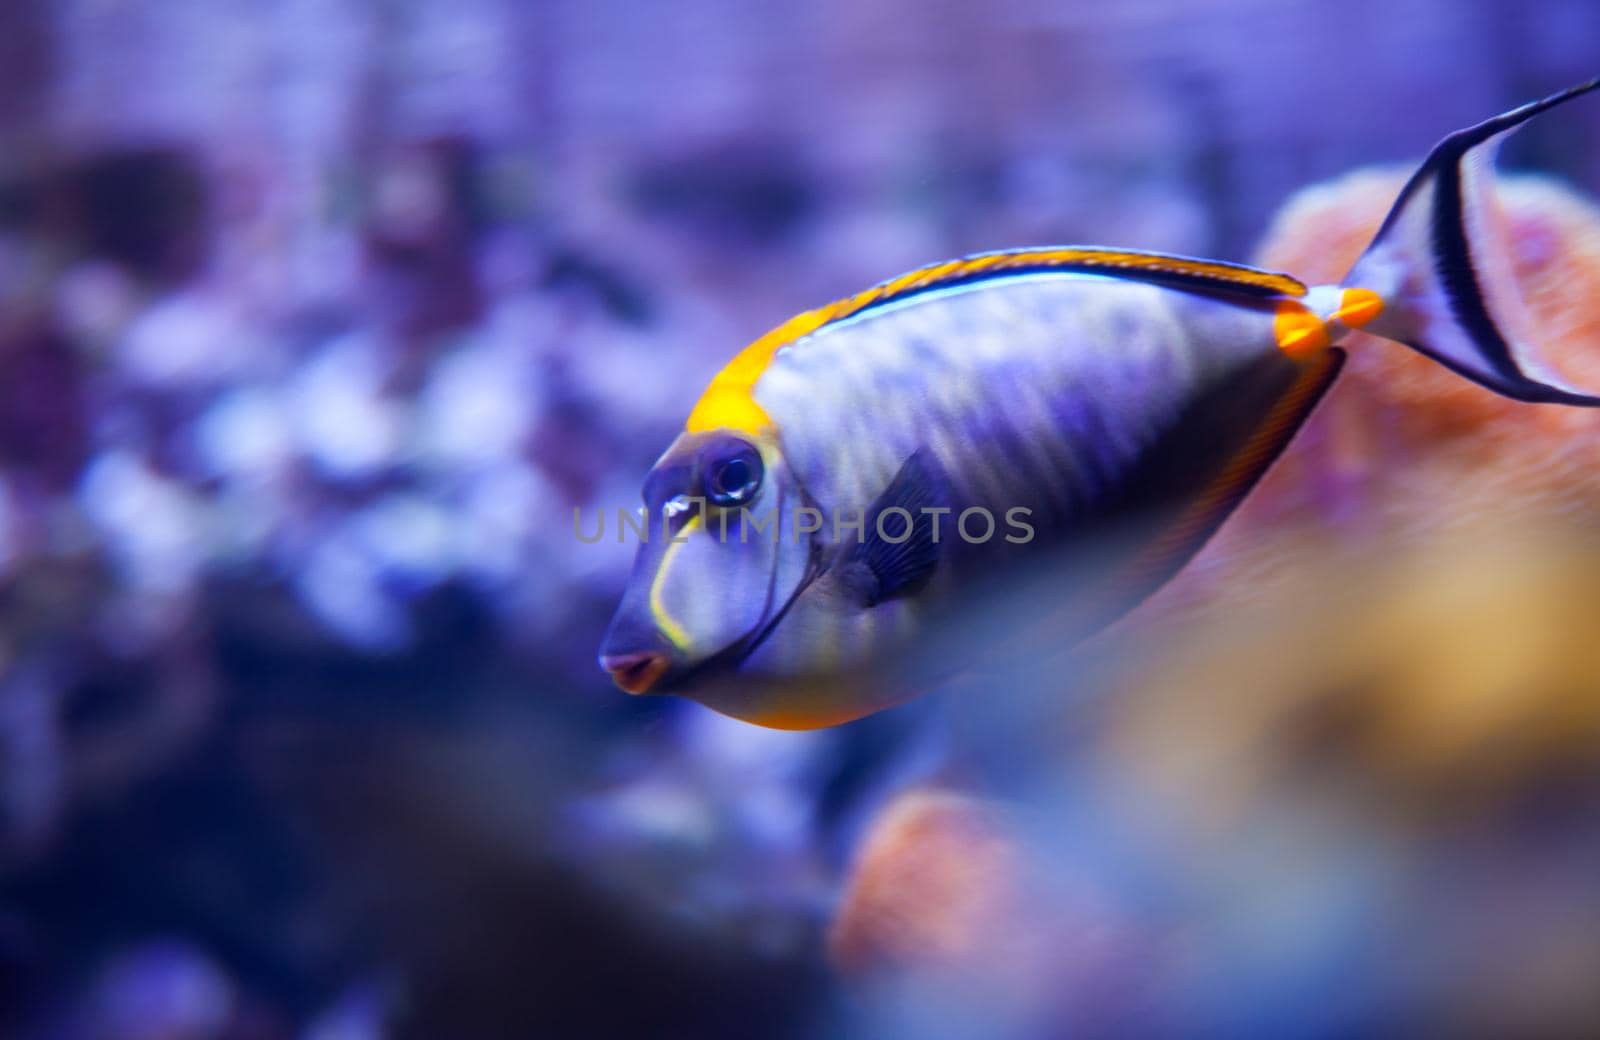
638 671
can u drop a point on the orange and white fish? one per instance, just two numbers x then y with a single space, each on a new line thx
866 468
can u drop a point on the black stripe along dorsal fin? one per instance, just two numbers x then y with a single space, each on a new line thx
1135 264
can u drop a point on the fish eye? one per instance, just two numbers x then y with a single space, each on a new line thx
733 478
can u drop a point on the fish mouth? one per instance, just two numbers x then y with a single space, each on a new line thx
636 673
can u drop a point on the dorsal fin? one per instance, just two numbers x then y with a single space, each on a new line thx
1135 264
727 402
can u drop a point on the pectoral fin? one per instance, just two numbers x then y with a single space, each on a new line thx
899 549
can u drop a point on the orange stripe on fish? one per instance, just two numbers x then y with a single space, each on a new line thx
728 402
1357 307
1299 332
1216 501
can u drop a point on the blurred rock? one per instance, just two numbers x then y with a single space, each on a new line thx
159 991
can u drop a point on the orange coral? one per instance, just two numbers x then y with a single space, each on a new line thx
933 886
1402 448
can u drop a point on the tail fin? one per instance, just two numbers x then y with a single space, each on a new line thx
1442 267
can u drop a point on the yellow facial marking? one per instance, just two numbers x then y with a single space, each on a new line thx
728 402
658 610
1357 307
1300 333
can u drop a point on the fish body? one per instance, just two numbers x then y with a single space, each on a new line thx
918 445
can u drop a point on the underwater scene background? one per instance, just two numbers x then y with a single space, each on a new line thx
318 319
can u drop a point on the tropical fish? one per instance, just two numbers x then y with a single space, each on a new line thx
867 471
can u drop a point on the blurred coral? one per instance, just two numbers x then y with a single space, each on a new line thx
934 886
1426 719
1387 775
953 925
1450 683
